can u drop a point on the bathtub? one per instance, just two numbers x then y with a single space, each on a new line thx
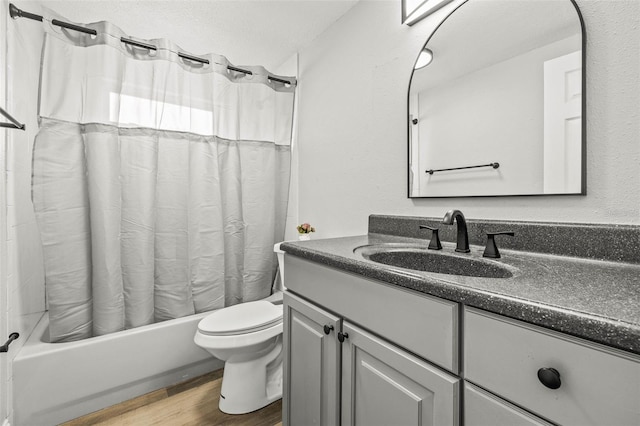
56 382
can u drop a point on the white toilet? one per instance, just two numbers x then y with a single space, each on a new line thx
248 337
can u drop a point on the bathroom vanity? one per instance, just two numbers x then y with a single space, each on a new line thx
367 344
333 351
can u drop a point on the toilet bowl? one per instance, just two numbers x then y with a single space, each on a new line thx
248 338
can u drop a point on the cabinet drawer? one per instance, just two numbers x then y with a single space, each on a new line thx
484 409
424 325
598 386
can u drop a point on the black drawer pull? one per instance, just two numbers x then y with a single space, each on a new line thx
342 336
327 329
549 377
12 337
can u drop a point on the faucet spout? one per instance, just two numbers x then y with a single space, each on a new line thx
462 240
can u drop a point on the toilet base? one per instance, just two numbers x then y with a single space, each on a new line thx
251 385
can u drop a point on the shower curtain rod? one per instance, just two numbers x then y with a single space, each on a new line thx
16 13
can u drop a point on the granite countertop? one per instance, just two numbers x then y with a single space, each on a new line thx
592 299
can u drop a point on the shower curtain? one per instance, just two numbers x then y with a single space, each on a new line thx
159 184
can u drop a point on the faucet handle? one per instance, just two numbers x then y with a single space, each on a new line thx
434 244
491 250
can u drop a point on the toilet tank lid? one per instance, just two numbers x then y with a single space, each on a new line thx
242 318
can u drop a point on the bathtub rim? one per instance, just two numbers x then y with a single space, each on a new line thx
36 341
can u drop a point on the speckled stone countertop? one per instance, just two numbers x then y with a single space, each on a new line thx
593 299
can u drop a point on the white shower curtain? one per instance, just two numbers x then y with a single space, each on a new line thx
160 184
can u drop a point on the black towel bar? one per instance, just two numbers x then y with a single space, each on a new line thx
15 124
494 165
12 337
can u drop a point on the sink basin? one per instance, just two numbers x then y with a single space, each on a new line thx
418 258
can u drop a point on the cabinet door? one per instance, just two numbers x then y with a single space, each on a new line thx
383 385
311 393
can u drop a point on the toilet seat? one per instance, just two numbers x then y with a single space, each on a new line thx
249 317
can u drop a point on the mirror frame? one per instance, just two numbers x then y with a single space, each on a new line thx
583 124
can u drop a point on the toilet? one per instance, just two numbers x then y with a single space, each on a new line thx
248 338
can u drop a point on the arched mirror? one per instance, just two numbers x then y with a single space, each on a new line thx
498 109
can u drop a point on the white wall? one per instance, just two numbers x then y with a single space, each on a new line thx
290 68
4 322
25 269
352 123
23 277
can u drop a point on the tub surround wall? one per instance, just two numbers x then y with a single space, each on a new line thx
25 266
353 124
23 274
4 323
617 243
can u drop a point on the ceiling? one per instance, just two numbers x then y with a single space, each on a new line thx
256 32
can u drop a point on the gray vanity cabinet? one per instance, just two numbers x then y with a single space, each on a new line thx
378 383
359 351
363 352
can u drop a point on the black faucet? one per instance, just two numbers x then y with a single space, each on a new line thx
462 245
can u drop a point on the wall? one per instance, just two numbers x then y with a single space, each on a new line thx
23 277
4 323
352 123
290 68
26 272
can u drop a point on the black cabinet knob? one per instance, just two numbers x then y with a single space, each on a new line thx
342 336
549 377
327 329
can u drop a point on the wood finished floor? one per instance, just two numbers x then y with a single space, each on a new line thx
194 402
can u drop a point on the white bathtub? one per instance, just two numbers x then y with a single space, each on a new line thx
56 382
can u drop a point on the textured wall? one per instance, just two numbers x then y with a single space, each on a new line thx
23 274
4 323
25 267
352 134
